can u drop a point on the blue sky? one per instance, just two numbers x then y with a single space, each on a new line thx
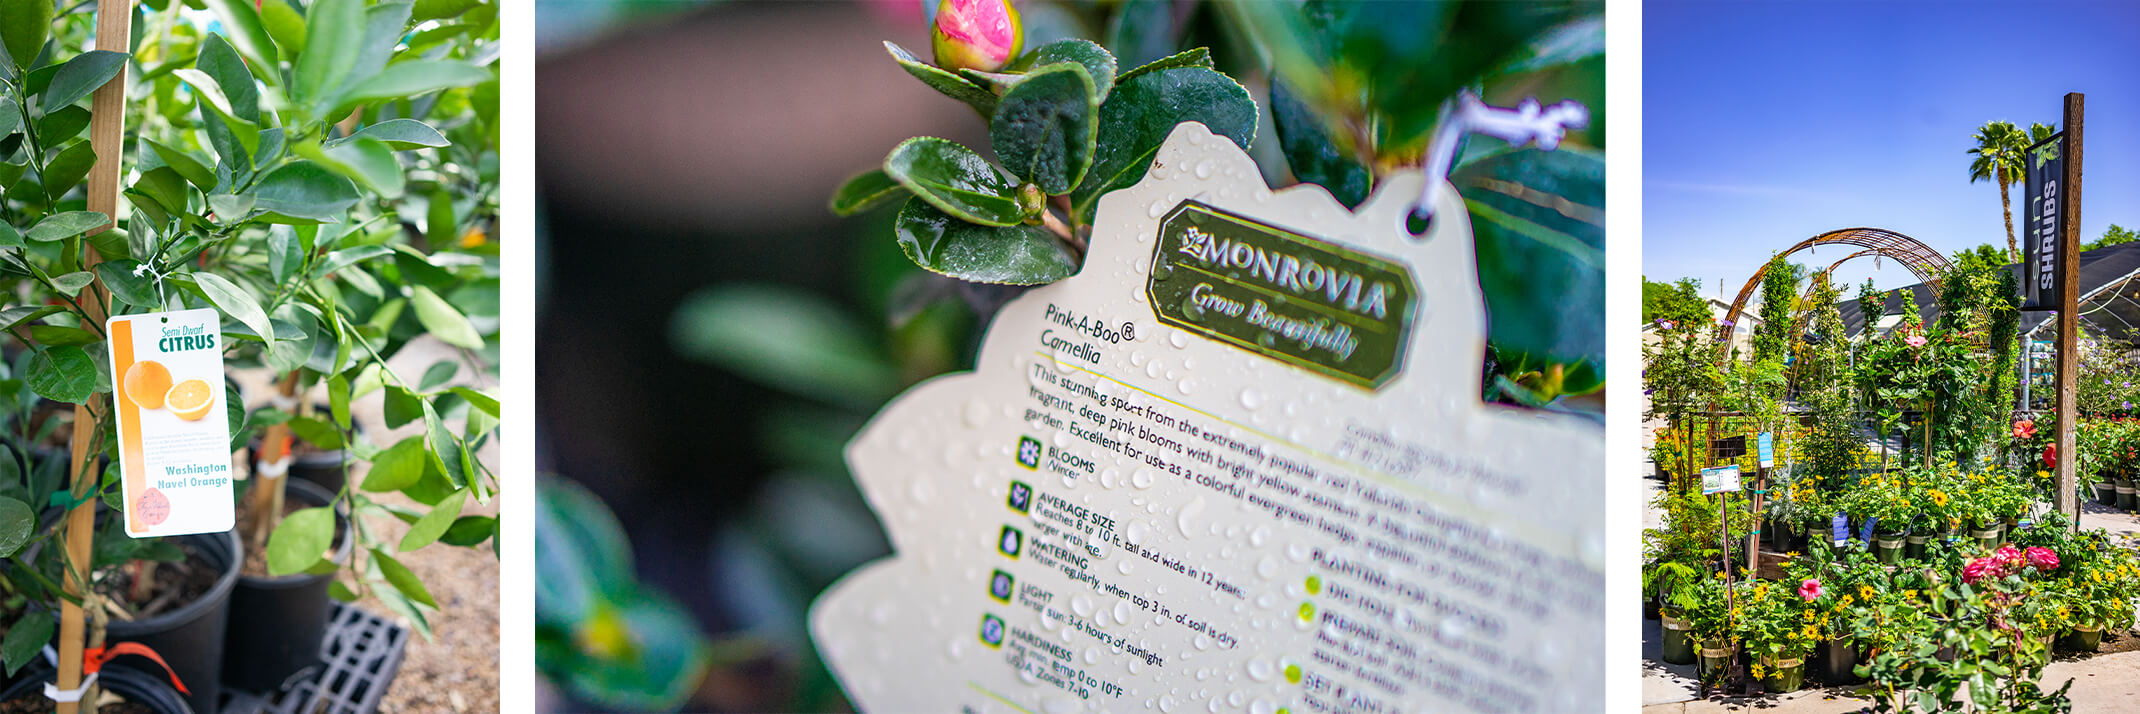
1766 123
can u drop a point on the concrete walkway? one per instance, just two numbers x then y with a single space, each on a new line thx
2101 683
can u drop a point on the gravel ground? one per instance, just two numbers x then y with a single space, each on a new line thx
456 670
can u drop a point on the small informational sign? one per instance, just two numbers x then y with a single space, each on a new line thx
1768 450
1840 528
1720 479
1243 440
2042 223
174 429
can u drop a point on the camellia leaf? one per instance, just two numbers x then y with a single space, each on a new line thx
1568 43
444 322
1538 221
951 85
235 302
1309 151
61 226
80 76
305 190
869 189
1009 255
955 180
1045 127
582 557
1098 64
785 338
1141 113
427 529
1142 30
62 374
1196 57
300 541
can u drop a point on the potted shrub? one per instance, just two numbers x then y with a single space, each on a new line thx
1675 587
331 199
1709 626
1779 626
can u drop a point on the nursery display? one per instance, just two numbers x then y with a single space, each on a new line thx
1904 531
320 181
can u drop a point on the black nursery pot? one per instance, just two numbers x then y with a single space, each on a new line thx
150 691
190 639
274 642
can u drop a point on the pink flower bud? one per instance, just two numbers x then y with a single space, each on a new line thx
980 35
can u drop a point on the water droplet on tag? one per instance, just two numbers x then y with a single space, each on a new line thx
1110 478
1251 399
1157 209
1186 520
1142 478
1203 169
1186 386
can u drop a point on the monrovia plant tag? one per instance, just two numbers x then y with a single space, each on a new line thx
174 432
1238 462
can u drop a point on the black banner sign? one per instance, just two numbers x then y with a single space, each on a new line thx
2043 222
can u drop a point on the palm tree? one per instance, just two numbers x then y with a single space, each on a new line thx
1999 158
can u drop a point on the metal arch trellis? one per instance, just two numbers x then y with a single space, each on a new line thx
1805 314
1927 264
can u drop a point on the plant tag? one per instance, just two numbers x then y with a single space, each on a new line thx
1238 462
1840 528
1720 479
174 428
1767 447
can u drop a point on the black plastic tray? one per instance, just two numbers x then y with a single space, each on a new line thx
362 652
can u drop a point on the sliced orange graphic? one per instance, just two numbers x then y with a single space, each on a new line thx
146 383
191 399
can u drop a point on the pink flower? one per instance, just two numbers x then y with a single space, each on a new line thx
1979 569
2025 429
2050 456
1915 340
976 34
2009 556
1810 589
2043 558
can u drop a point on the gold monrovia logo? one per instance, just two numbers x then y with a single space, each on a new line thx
1334 311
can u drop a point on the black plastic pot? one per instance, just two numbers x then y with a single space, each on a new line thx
1836 662
190 638
274 642
137 687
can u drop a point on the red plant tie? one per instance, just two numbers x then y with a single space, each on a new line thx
95 658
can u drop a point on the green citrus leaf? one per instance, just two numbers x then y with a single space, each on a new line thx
300 541
80 76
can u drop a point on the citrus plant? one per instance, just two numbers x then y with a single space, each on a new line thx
324 177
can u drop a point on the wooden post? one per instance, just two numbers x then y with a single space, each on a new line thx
1753 540
2069 239
107 127
264 498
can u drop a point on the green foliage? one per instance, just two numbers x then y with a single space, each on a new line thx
313 176
2114 235
1678 302
601 634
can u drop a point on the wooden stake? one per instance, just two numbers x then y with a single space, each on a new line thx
263 499
107 129
2069 251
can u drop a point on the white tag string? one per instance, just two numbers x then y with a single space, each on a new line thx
52 690
1527 123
